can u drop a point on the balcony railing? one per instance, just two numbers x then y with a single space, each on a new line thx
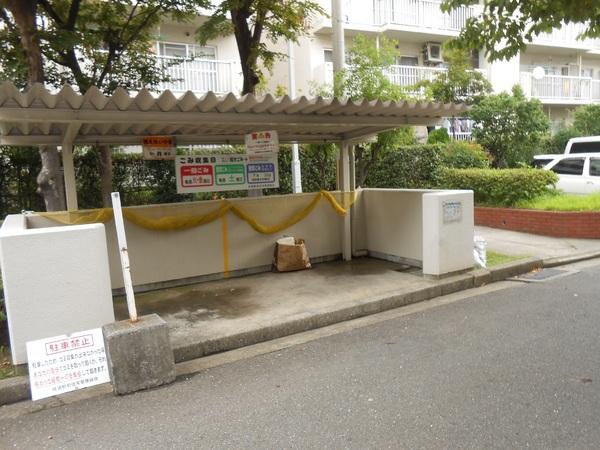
560 88
411 75
200 75
421 13
567 35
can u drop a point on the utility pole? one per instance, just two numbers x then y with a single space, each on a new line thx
339 47
296 173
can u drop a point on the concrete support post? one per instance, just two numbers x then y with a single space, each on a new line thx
347 227
69 174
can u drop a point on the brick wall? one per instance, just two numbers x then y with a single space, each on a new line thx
548 223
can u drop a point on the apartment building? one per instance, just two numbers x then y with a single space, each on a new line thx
569 74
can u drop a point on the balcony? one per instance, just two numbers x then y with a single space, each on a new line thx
423 14
560 89
200 75
567 36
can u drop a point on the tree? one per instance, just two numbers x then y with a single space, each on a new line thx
505 26
460 83
367 77
253 20
510 127
105 44
586 120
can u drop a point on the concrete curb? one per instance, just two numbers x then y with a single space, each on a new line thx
16 389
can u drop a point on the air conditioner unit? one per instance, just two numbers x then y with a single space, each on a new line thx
433 52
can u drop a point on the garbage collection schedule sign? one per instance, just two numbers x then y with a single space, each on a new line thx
66 363
226 172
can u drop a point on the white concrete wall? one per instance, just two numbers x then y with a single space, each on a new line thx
394 222
408 225
56 281
447 232
164 256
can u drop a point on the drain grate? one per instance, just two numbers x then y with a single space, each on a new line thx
538 276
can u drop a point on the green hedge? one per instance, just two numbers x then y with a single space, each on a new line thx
499 187
407 167
465 155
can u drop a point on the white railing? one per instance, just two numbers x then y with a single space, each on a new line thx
411 75
561 88
400 75
200 75
421 13
460 136
567 35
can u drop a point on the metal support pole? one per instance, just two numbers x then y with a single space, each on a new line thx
125 266
69 176
296 172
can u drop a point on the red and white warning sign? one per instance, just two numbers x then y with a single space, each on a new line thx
66 363
261 142
159 147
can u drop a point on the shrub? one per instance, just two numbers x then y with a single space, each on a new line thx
586 120
510 127
408 167
439 136
558 141
499 187
465 155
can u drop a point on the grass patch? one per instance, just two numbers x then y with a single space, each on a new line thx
563 202
495 258
6 368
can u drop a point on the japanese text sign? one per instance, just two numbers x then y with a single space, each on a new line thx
226 172
261 142
66 363
159 147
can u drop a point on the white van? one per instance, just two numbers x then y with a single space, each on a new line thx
578 173
588 144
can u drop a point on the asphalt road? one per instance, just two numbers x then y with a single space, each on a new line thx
515 368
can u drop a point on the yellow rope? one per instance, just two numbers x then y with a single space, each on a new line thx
225 237
183 222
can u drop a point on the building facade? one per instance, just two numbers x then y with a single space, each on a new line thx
570 75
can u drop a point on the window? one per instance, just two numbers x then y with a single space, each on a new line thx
328 56
585 147
174 50
569 166
595 167
541 162
407 61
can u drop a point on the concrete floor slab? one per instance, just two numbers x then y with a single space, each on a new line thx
214 316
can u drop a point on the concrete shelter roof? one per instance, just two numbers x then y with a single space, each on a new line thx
41 117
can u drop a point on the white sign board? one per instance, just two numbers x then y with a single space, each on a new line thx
261 142
452 211
226 172
66 363
159 147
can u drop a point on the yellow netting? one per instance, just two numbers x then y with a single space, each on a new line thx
186 221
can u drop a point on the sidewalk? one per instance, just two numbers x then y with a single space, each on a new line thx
524 244
218 316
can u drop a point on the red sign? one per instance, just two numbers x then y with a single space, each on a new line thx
196 176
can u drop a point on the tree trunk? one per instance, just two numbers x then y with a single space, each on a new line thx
24 13
50 180
245 42
106 174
